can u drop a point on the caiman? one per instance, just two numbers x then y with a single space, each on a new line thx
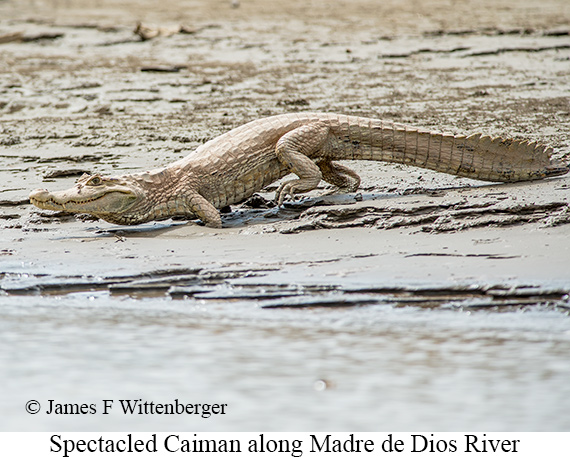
233 166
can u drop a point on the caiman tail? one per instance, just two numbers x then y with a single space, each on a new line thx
476 156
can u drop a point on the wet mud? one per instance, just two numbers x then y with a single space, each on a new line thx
87 91
225 286
439 285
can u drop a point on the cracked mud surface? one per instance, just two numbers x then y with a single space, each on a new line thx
80 88
424 276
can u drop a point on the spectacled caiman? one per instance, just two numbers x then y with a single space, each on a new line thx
235 165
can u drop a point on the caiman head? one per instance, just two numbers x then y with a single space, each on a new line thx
112 199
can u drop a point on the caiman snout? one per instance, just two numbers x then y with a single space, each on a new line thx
39 194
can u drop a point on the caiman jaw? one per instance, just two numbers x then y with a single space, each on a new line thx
119 200
95 195
97 204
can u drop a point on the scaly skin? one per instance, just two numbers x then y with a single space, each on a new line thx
233 166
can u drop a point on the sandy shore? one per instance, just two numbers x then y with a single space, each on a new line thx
81 92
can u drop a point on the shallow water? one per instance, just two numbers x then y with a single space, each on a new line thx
333 330
376 367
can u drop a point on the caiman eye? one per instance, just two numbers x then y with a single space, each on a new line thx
95 181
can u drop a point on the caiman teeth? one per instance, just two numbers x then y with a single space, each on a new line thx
50 201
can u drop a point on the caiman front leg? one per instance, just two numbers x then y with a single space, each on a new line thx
205 211
294 150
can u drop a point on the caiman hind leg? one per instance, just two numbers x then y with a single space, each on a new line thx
294 150
343 178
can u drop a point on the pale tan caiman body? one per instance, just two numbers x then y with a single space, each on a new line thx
233 166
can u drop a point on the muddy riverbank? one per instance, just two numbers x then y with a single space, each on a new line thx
424 301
